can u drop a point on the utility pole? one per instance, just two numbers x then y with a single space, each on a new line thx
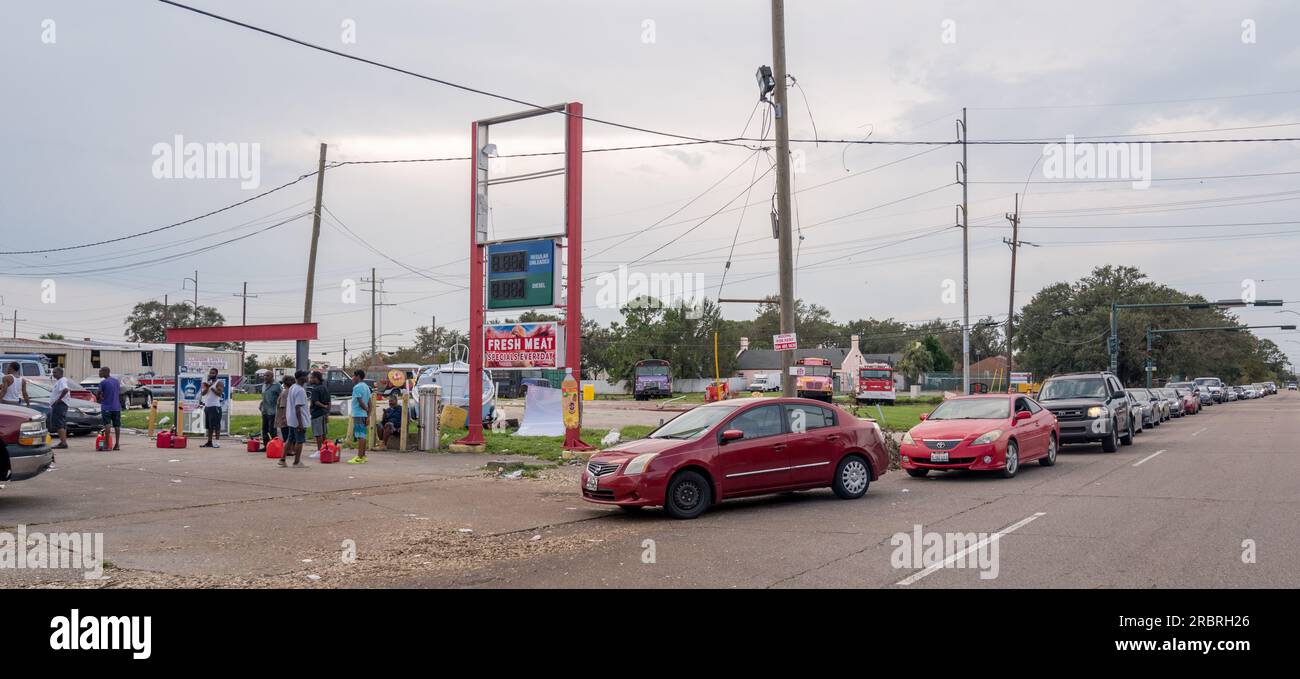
374 304
243 320
15 319
785 248
433 337
1014 218
965 262
315 236
196 293
345 353
166 311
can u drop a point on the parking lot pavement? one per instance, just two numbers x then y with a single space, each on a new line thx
1172 510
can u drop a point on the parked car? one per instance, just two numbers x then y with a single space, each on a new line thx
1173 401
993 432
29 365
74 387
1151 415
25 440
132 393
1231 394
1291 386
735 448
1214 385
83 416
1190 398
1090 407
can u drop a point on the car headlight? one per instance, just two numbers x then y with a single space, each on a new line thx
907 438
32 427
638 463
989 437
1098 411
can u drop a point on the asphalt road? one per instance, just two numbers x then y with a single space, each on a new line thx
1173 510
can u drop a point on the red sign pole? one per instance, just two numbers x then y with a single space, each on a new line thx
474 418
573 229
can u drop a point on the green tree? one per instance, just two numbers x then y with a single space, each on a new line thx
148 321
51 336
916 359
940 361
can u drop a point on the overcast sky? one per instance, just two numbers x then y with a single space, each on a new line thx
88 96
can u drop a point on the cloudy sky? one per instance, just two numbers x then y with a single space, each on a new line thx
91 89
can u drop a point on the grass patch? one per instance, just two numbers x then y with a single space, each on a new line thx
247 397
549 448
896 417
528 471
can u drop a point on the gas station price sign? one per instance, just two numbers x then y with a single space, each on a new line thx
523 274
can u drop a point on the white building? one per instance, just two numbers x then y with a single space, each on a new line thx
83 358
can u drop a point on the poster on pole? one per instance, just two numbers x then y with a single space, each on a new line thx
521 345
784 342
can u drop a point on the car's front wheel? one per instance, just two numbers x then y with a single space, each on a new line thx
688 495
852 477
1011 461
1110 444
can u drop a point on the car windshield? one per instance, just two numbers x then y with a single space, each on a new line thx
1209 382
693 423
652 370
1091 387
36 391
972 409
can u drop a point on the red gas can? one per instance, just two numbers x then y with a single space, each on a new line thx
102 443
179 441
254 445
275 449
164 439
329 453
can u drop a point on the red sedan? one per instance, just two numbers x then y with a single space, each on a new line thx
735 448
995 432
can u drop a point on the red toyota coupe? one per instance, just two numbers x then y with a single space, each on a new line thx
994 432
735 448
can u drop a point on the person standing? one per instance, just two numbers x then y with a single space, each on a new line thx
211 396
270 399
282 409
13 386
360 414
59 399
320 407
110 406
298 416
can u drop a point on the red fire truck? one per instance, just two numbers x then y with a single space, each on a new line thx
875 383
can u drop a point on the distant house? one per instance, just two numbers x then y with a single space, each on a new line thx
989 367
752 362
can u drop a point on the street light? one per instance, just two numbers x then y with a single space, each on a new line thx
1113 342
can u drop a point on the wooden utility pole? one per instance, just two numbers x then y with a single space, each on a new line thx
785 248
243 320
315 236
965 264
1014 218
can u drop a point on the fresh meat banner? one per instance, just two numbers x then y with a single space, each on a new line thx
521 345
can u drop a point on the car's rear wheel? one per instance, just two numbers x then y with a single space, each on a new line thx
688 495
1110 444
1011 461
918 473
1049 459
852 477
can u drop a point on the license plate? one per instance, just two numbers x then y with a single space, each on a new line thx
938 457
593 482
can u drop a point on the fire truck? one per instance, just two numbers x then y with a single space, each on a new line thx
815 380
875 384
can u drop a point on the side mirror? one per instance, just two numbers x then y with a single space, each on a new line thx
732 435
1119 394
1023 415
925 416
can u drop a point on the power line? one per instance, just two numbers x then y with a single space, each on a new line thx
440 81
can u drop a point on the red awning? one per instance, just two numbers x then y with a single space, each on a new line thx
272 332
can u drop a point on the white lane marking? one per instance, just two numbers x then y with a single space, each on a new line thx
1202 429
959 555
1148 457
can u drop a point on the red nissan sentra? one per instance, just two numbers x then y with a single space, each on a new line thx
994 432
739 447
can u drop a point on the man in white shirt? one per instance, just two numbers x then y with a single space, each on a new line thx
297 417
212 396
59 399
